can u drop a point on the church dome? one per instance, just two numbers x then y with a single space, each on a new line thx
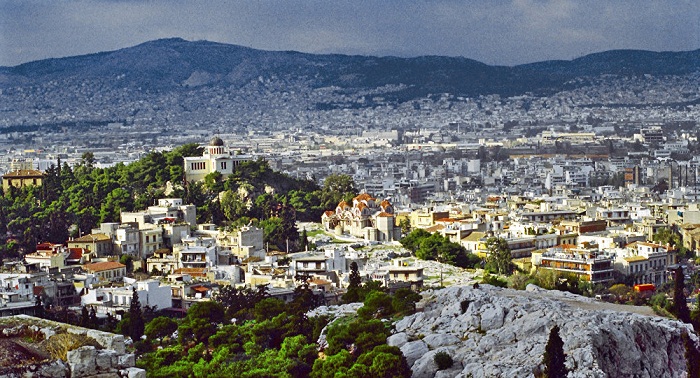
216 141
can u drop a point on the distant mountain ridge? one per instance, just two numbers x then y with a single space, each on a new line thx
175 64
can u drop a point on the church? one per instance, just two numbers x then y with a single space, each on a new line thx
216 158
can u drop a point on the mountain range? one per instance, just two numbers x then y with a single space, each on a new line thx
176 64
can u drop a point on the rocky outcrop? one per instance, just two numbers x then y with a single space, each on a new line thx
110 360
494 332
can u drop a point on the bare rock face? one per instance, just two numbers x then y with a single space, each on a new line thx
494 332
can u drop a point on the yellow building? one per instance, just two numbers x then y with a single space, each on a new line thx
21 178
98 244
107 271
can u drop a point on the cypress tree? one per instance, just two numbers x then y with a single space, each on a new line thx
137 325
304 242
84 317
680 306
353 293
554 356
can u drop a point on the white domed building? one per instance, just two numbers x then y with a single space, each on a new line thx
216 158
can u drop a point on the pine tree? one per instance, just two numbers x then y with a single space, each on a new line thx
680 306
554 356
137 325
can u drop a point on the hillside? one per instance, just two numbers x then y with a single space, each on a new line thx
170 79
493 332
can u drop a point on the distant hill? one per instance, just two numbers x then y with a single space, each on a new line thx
175 64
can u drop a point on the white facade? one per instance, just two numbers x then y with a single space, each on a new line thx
111 299
216 158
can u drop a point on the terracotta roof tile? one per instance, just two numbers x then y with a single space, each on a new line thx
102 266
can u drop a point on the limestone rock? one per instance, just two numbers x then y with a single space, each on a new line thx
413 350
397 340
133 372
126 361
82 361
495 332
437 340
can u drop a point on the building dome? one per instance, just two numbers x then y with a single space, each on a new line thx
216 141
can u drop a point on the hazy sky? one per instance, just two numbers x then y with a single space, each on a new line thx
503 32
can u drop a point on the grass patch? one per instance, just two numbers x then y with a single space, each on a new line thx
59 345
315 233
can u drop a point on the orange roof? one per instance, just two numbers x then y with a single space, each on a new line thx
102 266
363 197
200 288
566 246
328 213
343 204
192 271
385 215
385 203
361 205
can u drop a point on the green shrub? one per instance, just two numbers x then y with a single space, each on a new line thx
443 360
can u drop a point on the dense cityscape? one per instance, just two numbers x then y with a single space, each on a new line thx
278 228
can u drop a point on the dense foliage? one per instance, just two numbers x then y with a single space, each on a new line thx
246 333
499 257
427 246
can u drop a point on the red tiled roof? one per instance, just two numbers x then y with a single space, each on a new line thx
328 213
102 266
386 215
45 246
75 253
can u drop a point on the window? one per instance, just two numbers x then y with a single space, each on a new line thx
223 165
198 166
